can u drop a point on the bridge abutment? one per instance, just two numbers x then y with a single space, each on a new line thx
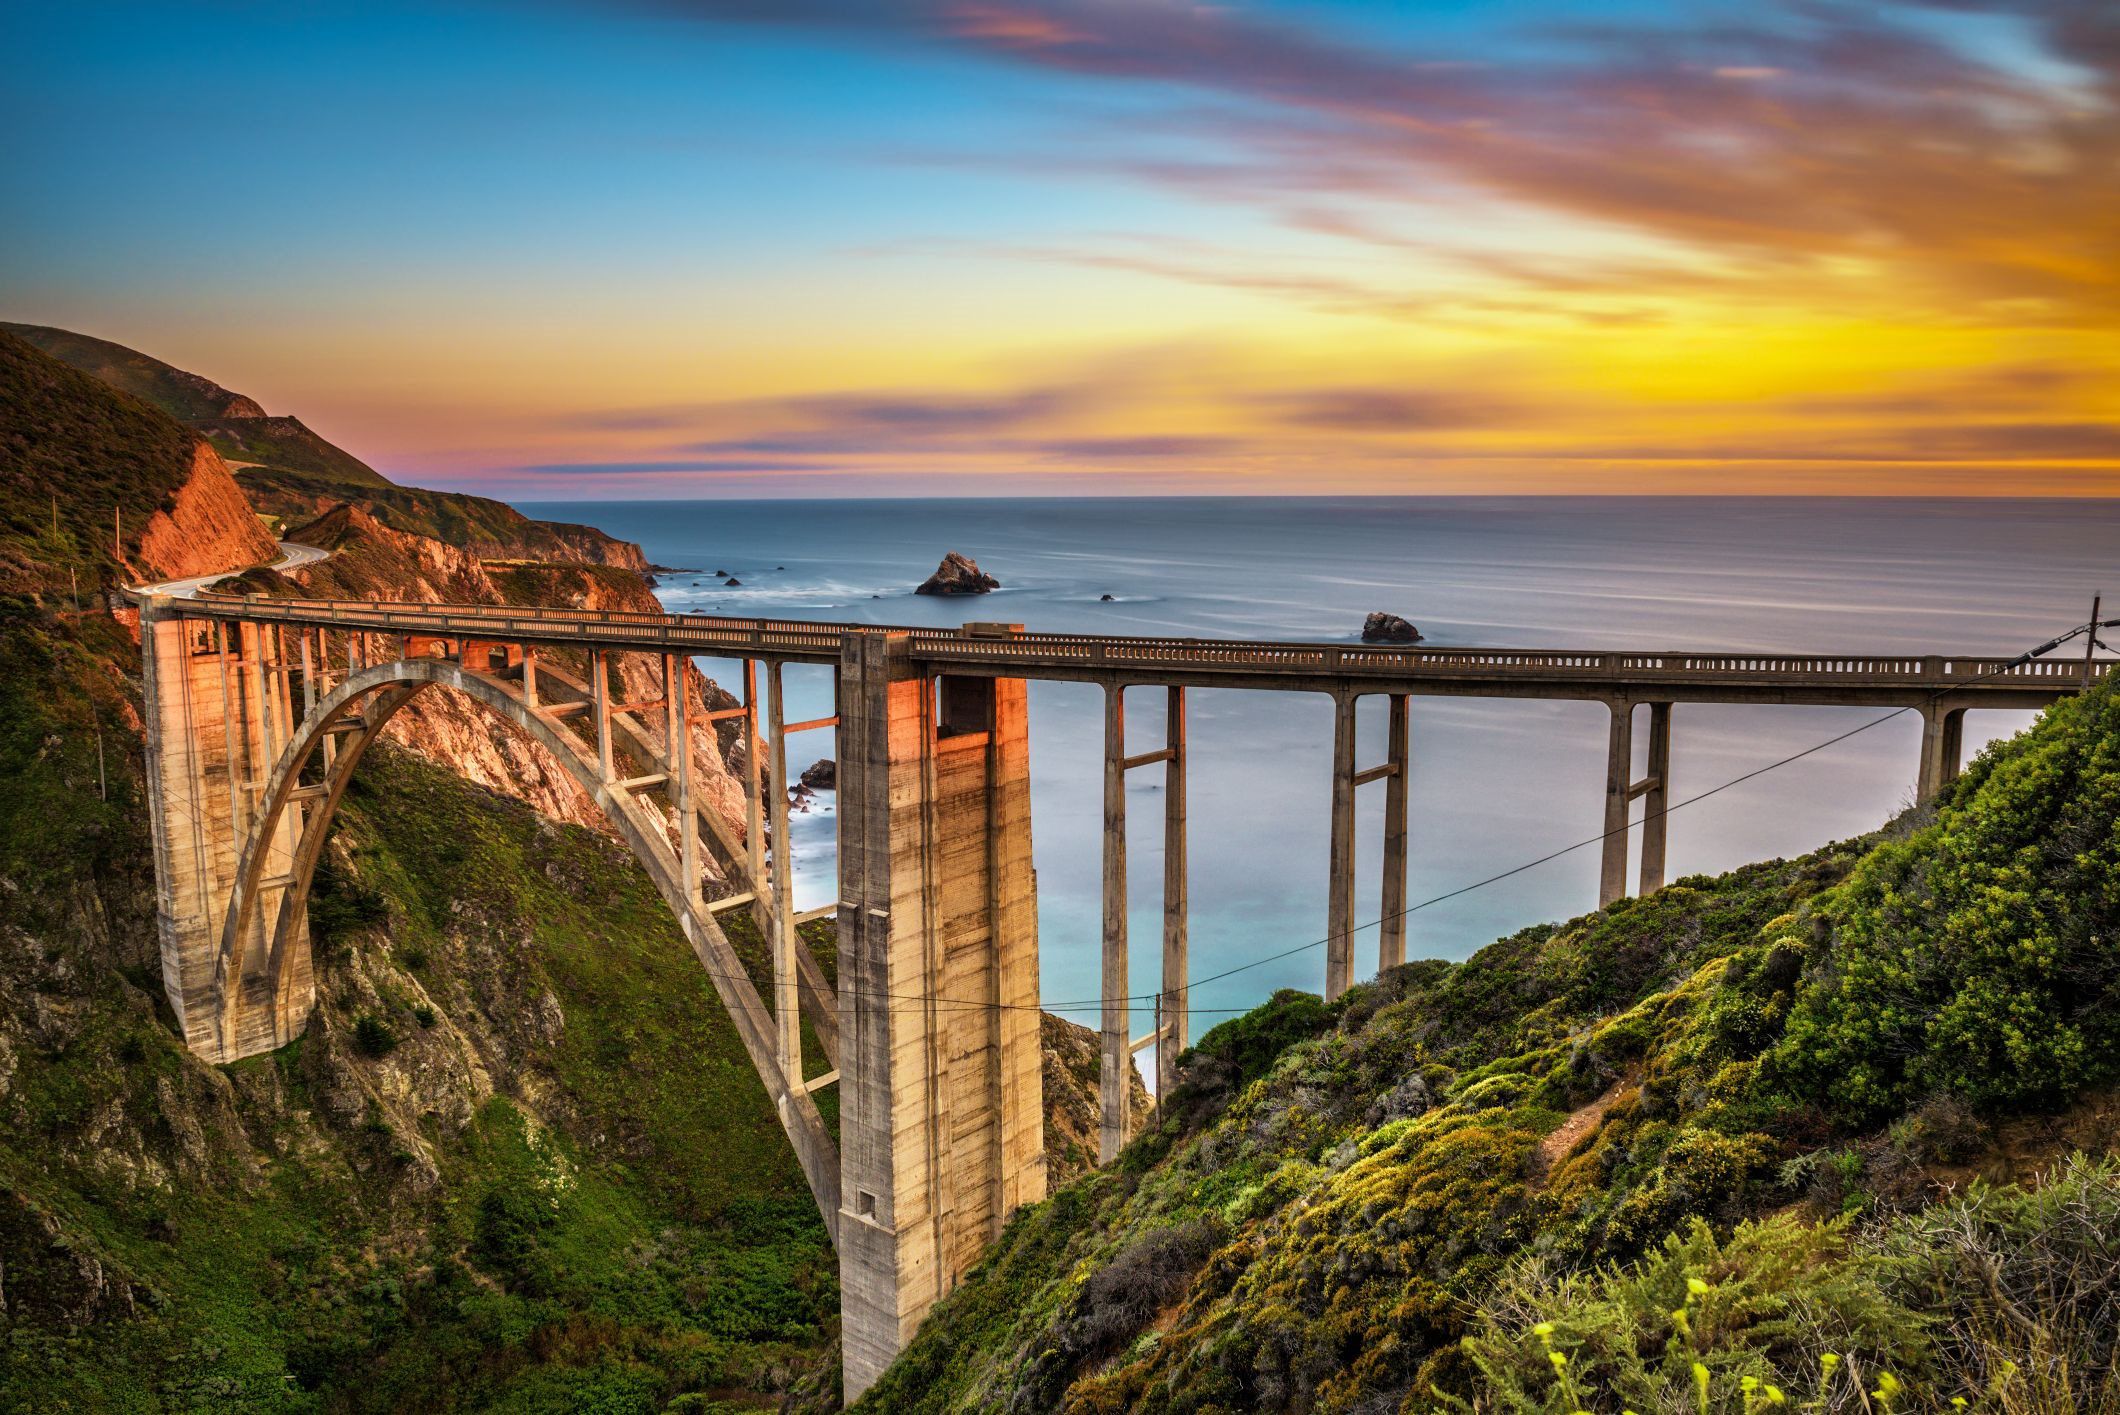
941 1116
217 714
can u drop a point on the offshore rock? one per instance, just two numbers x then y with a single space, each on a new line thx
823 775
957 575
1382 628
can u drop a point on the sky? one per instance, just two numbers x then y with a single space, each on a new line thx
679 248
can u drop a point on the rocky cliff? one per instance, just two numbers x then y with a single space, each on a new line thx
369 560
99 488
207 526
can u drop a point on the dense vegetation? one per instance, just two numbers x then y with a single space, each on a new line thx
1694 1146
72 452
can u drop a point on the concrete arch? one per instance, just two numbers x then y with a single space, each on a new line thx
374 696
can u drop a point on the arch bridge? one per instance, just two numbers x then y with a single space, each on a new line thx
260 709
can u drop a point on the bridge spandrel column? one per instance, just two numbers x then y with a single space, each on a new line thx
1619 783
941 1116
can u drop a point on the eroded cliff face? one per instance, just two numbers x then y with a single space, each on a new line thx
372 561
592 547
207 525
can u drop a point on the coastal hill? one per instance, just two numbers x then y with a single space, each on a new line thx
1783 1138
99 488
240 430
294 475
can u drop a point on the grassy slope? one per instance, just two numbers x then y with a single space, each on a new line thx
1341 1194
187 397
203 404
298 474
71 452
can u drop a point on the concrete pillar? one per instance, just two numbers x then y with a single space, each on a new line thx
1942 746
1176 1034
600 704
1339 885
941 1117
1116 1056
677 744
205 745
1619 782
1656 800
1953 744
1398 749
780 940
754 825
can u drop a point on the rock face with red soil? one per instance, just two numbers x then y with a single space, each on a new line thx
372 561
207 525
957 575
1382 628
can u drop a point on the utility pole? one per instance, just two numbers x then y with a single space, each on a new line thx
2090 644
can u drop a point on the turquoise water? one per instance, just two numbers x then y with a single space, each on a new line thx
1494 783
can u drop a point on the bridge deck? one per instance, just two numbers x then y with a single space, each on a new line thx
1845 679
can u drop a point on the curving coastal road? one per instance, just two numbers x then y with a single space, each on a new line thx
292 555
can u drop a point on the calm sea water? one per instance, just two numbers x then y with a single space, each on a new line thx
1495 783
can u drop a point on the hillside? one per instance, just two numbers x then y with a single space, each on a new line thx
1671 1156
294 475
84 464
239 429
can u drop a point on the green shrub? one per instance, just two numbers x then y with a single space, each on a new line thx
1975 958
372 1036
1765 1309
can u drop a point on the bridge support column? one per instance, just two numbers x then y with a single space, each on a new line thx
1116 1055
1398 759
1174 1032
1619 780
941 1118
1656 798
1942 747
206 758
1339 886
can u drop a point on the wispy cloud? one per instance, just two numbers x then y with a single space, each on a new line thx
1854 138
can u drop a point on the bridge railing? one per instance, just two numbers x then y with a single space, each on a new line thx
710 634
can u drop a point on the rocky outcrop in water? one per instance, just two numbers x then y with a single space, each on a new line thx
958 575
1382 628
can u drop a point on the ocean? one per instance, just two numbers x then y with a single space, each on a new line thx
1494 783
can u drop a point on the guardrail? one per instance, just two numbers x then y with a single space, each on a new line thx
1028 653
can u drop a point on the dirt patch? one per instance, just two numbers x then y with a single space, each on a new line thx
1558 1145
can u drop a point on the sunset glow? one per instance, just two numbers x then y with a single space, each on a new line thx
843 247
